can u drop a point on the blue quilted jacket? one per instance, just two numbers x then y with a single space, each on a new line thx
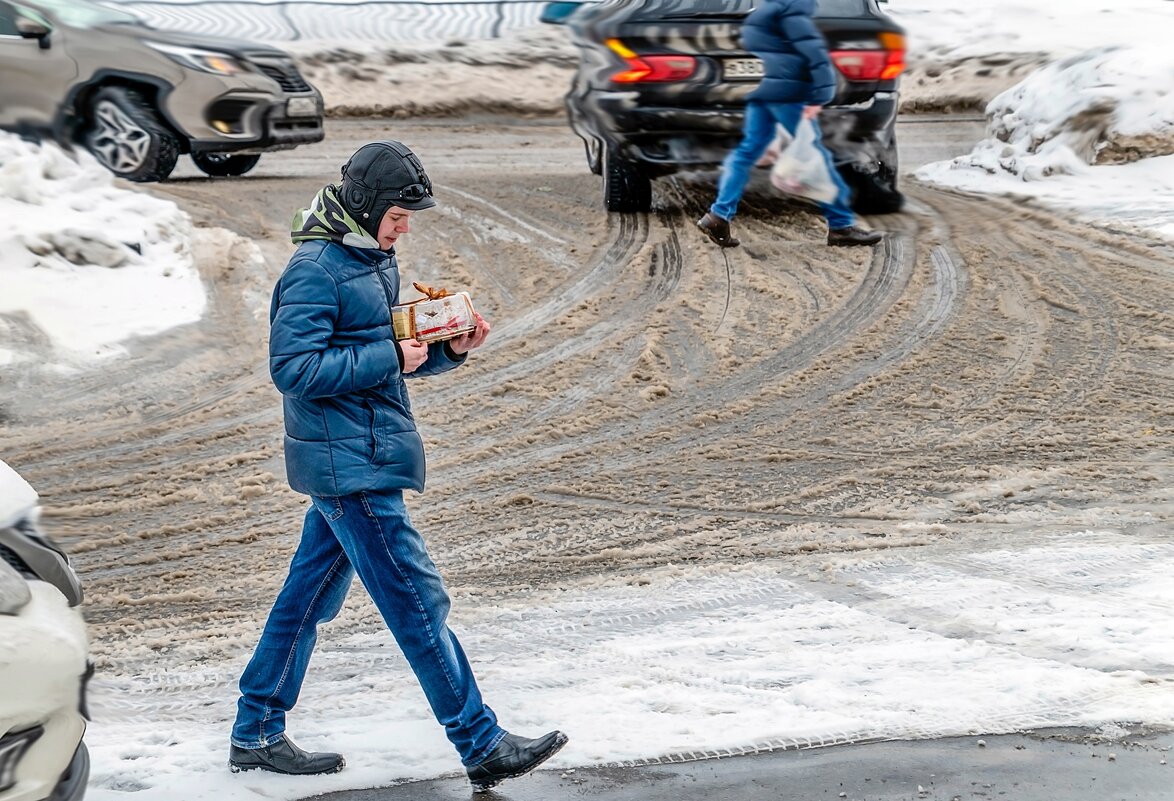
348 420
798 68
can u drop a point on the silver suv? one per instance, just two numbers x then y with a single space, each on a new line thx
137 97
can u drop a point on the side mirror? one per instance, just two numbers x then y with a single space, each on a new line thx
32 29
557 13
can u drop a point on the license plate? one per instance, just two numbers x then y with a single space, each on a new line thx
743 69
301 107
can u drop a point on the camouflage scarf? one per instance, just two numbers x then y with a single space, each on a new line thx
327 219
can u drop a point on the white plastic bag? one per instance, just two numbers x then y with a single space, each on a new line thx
801 170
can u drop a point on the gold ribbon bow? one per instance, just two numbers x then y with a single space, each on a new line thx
433 294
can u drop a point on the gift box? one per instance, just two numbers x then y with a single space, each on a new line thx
437 316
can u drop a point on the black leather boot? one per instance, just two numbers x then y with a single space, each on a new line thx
514 756
284 757
850 236
717 230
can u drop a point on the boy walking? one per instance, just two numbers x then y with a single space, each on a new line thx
351 444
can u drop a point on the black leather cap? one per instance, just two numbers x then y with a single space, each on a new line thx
380 175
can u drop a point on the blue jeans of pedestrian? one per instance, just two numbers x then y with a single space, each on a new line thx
371 534
758 131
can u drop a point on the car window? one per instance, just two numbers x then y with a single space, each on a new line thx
8 20
80 14
670 9
840 8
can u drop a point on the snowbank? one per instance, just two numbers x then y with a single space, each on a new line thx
1099 125
960 56
86 263
526 72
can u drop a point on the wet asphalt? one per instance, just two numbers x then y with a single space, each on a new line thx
1053 765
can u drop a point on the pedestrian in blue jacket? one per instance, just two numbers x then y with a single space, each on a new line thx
351 444
799 81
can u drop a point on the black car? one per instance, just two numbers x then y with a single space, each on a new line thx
662 84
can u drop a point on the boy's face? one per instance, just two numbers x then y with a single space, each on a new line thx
395 223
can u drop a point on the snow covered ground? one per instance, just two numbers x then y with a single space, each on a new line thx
1073 631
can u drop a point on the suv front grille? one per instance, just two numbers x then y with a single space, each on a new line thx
287 77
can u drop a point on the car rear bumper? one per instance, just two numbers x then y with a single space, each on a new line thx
666 138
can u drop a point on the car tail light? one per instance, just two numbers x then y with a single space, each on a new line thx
883 64
651 68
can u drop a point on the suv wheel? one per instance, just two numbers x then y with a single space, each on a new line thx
877 193
125 135
625 188
219 165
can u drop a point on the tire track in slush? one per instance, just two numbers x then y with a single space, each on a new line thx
888 273
628 234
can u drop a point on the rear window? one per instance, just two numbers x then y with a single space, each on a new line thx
841 8
669 9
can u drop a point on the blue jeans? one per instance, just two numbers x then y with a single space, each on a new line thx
758 131
368 533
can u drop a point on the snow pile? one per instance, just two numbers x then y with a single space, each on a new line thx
86 264
1104 107
525 72
963 54
1101 106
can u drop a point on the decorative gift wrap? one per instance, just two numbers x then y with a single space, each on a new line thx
438 316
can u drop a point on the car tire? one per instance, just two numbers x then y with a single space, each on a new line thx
126 136
220 165
876 193
625 189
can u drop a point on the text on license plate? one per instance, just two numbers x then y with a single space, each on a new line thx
301 107
741 69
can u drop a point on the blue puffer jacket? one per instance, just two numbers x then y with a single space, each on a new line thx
798 68
348 420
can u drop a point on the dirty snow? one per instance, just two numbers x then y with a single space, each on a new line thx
1093 132
86 263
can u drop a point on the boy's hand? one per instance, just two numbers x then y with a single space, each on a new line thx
811 112
415 354
473 339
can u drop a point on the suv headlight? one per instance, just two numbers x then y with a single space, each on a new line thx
202 60
35 556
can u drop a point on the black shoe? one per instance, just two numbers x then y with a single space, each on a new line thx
718 230
512 757
284 757
850 236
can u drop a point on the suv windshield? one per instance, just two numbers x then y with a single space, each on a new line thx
678 9
80 14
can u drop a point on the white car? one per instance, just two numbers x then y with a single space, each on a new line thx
43 658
